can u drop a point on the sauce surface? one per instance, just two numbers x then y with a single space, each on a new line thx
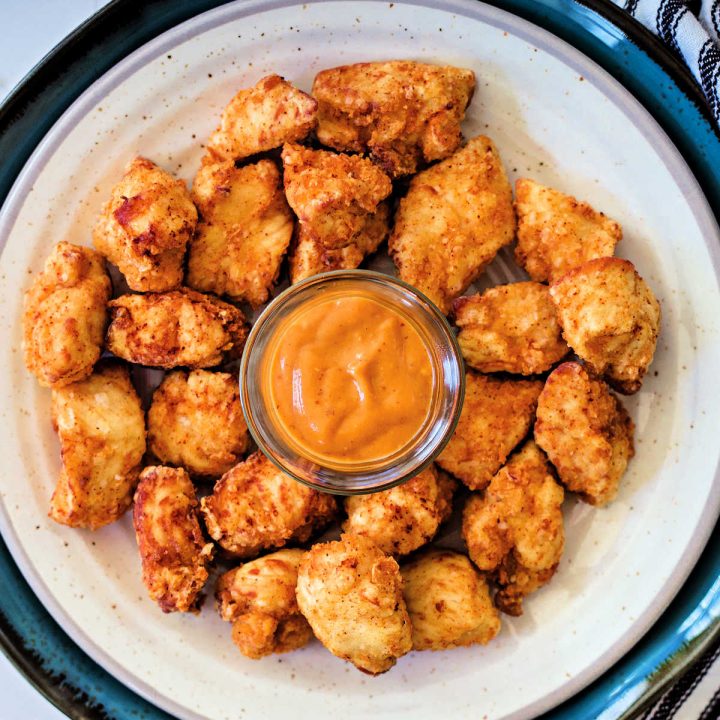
350 379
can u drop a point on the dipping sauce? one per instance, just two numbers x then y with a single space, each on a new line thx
350 379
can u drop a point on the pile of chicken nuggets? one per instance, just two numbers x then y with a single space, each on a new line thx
295 184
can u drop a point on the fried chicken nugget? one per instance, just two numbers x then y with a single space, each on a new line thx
495 417
262 117
145 227
515 529
556 232
65 315
448 602
258 598
351 594
510 328
585 431
452 222
244 231
195 421
172 548
405 517
256 506
338 201
101 427
403 113
177 328
610 318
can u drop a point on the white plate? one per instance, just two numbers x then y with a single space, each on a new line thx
555 116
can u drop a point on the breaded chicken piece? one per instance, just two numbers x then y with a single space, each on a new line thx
258 598
338 202
510 328
244 231
196 422
64 316
260 118
610 318
585 431
448 602
351 594
101 427
403 518
452 222
145 227
172 548
556 232
515 529
256 506
496 416
403 113
177 328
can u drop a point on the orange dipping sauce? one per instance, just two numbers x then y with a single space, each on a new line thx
349 377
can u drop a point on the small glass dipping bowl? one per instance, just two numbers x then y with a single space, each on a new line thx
352 477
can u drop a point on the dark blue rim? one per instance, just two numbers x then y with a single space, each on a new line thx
31 638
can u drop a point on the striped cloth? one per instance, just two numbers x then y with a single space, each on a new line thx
690 29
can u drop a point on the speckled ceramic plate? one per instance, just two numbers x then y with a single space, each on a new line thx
555 116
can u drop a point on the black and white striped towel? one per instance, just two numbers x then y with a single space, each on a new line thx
692 30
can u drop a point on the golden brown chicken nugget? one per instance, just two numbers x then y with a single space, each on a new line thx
145 227
338 201
65 314
610 318
556 232
351 594
448 602
262 117
585 431
172 548
196 421
256 506
403 518
244 230
452 222
515 529
177 328
258 598
510 328
496 416
101 427
403 113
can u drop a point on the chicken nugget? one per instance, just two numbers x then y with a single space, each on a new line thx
403 518
338 202
65 314
556 232
255 506
172 548
403 113
510 328
145 227
195 421
585 431
495 417
610 318
177 328
258 598
448 602
260 118
351 594
244 231
515 529
101 427
452 222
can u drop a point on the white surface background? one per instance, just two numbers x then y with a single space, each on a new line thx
31 28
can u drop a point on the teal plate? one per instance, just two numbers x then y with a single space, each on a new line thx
31 638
